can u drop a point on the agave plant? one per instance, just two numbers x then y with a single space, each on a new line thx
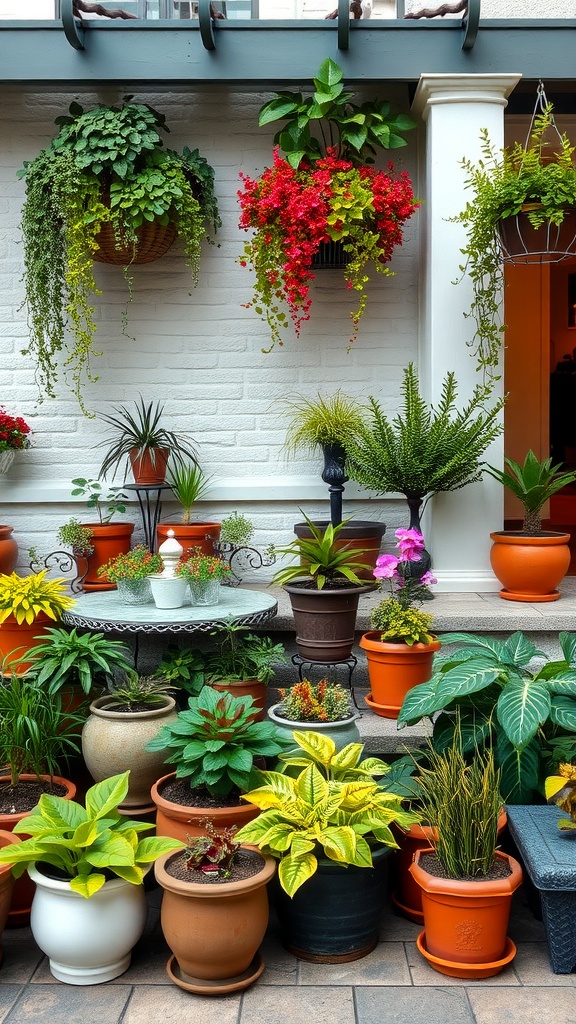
321 558
533 483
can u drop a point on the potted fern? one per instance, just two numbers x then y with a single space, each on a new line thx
531 562
106 189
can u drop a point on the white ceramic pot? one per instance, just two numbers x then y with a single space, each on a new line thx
168 591
343 731
113 741
88 941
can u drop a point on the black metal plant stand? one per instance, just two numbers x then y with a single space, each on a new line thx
350 663
150 501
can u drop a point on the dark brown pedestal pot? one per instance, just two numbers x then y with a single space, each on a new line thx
325 620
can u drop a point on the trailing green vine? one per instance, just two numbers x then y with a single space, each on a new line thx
106 166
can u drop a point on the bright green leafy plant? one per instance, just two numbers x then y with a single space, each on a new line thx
495 695
68 658
237 530
241 655
533 483
321 559
107 501
336 816
106 166
85 843
215 741
36 735
139 431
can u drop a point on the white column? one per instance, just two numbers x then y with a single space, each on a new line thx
454 108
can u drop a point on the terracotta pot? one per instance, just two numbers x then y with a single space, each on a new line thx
192 535
341 732
178 820
362 536
114 741
245 688
465 922
407 894
6 881
23 891
149 466
16 639
108 540
325 620
529 568
8 550
393 670
214 929
522 243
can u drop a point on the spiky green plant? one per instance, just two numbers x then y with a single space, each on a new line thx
321 559
425 449
533 483
317 422
188 484
36 735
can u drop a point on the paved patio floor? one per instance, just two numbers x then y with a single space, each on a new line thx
393 985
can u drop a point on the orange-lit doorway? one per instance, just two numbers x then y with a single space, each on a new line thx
540 410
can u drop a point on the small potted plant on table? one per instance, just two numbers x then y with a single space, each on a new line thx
130 573
205 574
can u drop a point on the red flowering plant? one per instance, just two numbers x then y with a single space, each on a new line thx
320 193
395 617
14 432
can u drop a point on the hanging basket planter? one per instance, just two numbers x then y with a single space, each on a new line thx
154 240
330 256
523 243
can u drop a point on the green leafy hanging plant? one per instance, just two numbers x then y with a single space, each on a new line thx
106 167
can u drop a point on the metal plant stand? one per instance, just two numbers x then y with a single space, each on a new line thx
350 663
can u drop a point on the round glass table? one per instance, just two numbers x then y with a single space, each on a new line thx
106 612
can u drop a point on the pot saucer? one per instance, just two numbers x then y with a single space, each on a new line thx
508 595
457 969
413 915
215 986
383 710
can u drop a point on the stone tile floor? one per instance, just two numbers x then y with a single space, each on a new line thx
393 985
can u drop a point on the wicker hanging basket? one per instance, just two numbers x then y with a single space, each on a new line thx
154 240
522 243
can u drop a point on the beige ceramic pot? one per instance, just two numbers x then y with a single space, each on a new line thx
114 741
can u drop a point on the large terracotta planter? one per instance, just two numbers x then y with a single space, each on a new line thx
465 922
113 741
6 881
179 821
16 639
88 941
393 669
23 891
362 536
214 929
245 688
342 732
529 568
8 550
335 916
108 540
192 535
325 620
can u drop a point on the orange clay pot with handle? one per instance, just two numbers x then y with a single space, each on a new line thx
393 669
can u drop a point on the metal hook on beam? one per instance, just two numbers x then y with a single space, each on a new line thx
343 24
73 28
470 23
206 27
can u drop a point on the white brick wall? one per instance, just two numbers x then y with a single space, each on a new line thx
197 350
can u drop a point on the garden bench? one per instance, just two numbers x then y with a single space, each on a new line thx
550 861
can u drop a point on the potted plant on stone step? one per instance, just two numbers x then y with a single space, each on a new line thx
88 863
117 730
424 449
507 695
400 647
243 663
214 912
466 883
320 425
215 745
138 439
531 562
105 189
27 605
330 830
324 591
323 707
323 190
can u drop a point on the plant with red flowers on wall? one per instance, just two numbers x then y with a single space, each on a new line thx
323 192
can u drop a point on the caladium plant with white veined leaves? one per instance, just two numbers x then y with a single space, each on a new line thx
504 694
